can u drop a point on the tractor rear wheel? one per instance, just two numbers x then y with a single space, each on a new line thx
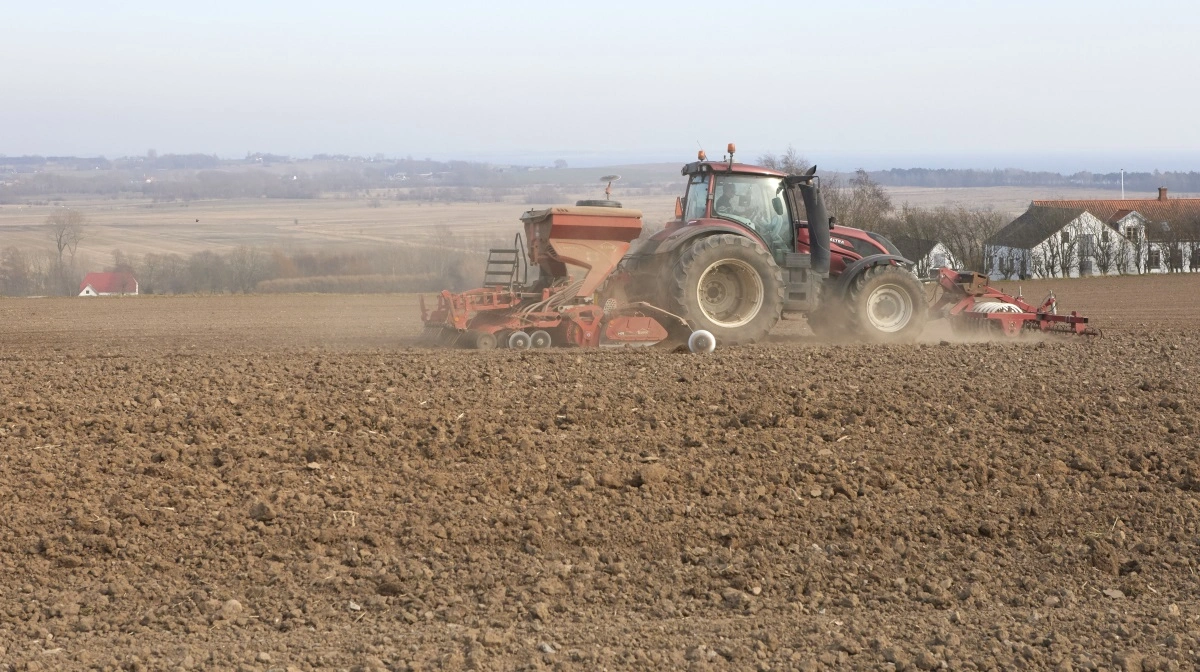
886 304
730 286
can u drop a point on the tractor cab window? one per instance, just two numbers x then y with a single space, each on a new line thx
755 202
696 201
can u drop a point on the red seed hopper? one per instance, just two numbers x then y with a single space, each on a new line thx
571 253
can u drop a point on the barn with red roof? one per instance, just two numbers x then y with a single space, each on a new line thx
108 284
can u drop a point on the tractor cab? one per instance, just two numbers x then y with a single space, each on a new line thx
757 199
749 196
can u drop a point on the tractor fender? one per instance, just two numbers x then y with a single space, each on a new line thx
685 235
859 267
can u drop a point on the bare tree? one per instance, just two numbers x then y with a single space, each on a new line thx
967 233
65 229
1125 259
150 274
1062 252
1140 250
16 272
1172 247
1051 250
963 231
869 205
916 224
1108 252
1038 265
173 273
207 271
1009 261
789 162
247 267
124 263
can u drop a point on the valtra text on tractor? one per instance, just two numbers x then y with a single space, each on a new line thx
748 243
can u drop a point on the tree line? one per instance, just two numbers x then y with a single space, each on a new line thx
946 178
261 175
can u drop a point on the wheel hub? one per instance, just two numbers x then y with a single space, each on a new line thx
889 308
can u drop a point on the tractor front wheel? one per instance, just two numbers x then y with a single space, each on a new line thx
886 304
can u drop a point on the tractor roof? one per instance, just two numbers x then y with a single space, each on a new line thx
725 167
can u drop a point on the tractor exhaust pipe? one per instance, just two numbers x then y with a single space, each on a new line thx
818 227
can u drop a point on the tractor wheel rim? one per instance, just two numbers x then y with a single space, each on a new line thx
730 293
889 308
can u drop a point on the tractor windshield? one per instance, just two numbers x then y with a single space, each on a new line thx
755 201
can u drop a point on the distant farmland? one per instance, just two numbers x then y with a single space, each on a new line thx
140 226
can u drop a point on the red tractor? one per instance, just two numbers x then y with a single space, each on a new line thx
748 244
751 242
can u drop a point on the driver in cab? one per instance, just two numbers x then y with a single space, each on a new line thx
727 199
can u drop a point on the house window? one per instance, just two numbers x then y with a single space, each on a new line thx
1154 259
1104 236
1064 237
1087 245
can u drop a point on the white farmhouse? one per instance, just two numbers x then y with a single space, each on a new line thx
1099 237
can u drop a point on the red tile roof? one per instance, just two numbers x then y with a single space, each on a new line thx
1153 209
1119 215
1181 215
110 283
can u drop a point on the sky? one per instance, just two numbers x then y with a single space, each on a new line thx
1062 85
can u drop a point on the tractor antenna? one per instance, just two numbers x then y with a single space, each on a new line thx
608 189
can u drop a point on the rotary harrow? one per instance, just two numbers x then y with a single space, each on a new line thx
973 307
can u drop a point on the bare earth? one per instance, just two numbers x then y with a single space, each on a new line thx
273 482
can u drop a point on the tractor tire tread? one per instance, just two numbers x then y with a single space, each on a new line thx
680 286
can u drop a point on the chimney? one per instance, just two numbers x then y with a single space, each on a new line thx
1162 193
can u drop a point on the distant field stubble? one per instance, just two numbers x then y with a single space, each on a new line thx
139 226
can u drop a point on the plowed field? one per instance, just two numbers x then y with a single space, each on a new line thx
282 482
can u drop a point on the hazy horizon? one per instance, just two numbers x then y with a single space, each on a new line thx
1039 86
830 162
